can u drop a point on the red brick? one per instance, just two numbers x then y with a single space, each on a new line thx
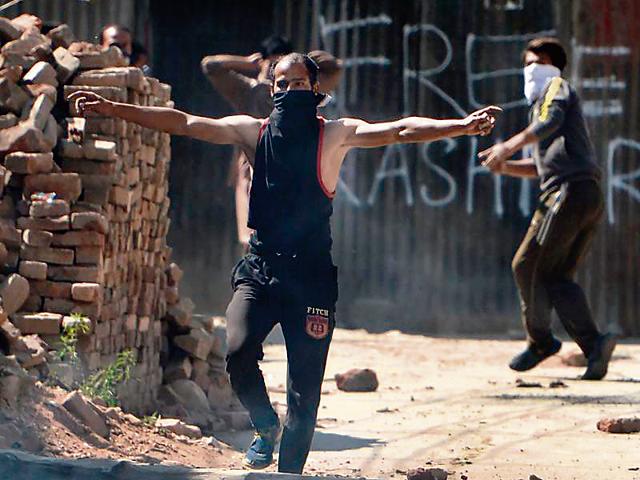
54 208
89 255
79 238
37 238
29 163
66 185
49 224
76 274
51 289
33 270
86 292
90 221
58 256
22 138
9 235
66 64
44 323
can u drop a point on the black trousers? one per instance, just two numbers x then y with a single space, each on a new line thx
300 294
545 264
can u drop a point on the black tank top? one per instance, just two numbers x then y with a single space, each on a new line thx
289 207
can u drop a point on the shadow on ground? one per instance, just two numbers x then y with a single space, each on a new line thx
322 441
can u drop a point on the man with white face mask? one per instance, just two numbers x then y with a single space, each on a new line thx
570 208
288 276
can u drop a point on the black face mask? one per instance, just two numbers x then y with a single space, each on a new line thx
295 109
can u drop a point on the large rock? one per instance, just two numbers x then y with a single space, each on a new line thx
14 292
87 413
619 425
357 380
427 474
191 395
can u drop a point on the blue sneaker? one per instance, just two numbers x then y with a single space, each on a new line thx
260 453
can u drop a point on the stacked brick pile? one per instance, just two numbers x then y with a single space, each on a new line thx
84 220
195 382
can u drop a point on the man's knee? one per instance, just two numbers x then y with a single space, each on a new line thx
242 362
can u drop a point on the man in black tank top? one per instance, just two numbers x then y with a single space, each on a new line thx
288 276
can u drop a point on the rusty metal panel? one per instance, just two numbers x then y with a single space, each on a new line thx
423 236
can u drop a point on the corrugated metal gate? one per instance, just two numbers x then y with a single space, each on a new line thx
423 237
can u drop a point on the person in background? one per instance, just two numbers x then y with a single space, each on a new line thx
570 208
121 37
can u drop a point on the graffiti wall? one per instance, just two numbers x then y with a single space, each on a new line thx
424 236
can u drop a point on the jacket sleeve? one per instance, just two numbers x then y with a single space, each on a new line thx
549 117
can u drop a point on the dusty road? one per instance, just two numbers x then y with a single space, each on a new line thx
454 404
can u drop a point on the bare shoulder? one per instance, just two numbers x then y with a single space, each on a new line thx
342 127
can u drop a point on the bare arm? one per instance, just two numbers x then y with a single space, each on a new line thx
238 129
247 65
500 152
359 133
525 168
230 76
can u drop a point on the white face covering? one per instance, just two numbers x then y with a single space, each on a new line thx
536 76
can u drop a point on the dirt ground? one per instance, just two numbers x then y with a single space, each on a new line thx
41 425
454 404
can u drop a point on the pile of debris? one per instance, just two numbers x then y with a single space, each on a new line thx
83 225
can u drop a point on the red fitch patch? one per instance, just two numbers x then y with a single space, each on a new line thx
317 326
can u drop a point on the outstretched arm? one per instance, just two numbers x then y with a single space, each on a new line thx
359 133
237 129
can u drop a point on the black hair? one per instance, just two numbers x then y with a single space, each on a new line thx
137 50
551 47
306 60
275 45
